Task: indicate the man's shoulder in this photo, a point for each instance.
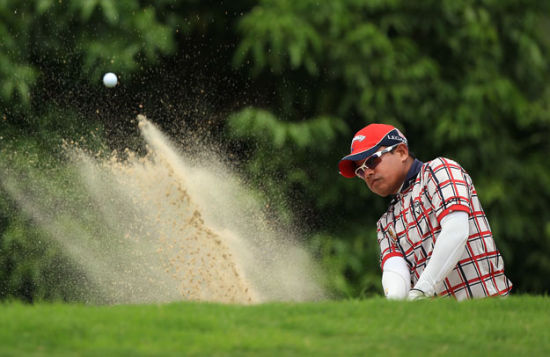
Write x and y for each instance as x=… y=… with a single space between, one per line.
x=439 y=163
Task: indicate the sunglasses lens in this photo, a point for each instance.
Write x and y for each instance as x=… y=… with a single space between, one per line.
x=372 y=162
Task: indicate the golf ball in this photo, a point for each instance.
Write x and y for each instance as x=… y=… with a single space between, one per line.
x=110 y=80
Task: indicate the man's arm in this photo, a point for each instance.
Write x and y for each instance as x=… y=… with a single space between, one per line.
x=448 y=249
x=396 y=278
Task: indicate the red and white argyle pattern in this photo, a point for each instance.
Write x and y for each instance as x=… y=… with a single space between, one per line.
x=411 y=226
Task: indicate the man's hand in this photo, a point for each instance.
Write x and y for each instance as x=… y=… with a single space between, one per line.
x=416 y=294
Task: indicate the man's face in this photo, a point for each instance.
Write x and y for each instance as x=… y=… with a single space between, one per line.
x=386 y=178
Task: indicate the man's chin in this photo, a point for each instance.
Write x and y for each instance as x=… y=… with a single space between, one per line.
x=380 y=193
x=377 y=192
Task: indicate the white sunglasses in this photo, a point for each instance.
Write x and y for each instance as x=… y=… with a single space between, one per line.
x=373 y=161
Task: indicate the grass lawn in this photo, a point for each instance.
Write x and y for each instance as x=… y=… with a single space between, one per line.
x=519 y=325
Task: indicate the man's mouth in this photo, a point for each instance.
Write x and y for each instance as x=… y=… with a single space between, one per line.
x=371 y=181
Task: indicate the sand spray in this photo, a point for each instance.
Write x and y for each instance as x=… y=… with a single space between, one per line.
x=165 y=226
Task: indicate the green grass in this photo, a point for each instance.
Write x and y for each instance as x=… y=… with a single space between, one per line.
x=518 y=325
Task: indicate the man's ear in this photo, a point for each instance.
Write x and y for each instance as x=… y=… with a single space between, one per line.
x=403 y=151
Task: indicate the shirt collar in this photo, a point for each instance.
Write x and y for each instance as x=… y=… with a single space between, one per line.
x=411 y=175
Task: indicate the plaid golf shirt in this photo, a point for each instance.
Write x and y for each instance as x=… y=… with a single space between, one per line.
x=411 y=226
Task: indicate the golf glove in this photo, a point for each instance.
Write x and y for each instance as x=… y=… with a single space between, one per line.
x=416 y=294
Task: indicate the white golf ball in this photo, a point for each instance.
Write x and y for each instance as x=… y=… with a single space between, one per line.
x=110 y=80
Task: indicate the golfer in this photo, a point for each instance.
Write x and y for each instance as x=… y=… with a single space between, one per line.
x=434 y=239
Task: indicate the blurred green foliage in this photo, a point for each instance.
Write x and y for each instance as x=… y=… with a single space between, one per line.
x=32 y=265
x=283 y=85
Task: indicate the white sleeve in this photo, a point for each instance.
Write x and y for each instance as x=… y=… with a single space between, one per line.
x=448 y=249
x=396 y=278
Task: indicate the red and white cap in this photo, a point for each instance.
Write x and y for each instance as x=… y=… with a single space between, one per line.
x=366 y=142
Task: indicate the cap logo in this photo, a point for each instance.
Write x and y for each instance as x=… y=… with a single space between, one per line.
x=357 y=138
x=399 y=137
x=395 y=137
